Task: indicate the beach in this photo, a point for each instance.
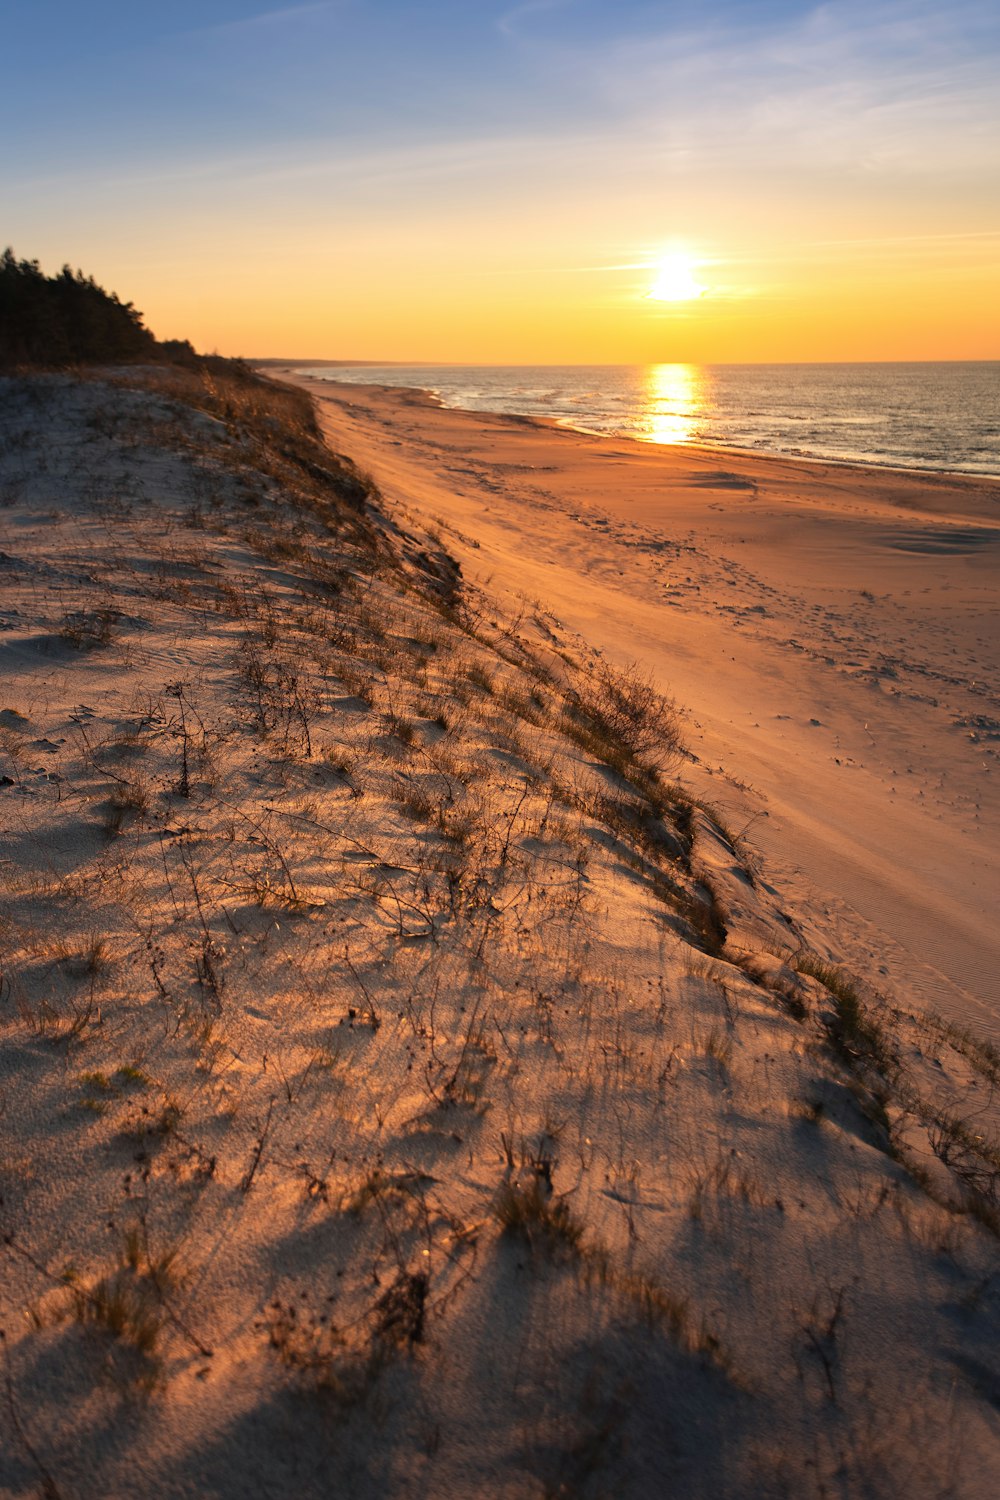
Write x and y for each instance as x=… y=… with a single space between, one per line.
x=926 y=416
x=829 y=630
x=500 y=751
x=435 y=1063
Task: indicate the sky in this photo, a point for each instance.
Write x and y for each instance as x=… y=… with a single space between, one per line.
x=469 y=181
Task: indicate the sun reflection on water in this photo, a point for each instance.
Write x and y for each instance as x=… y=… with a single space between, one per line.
x=674 y=400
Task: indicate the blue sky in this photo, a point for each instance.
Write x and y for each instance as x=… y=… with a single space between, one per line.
x=149 y=136
x=132 y=80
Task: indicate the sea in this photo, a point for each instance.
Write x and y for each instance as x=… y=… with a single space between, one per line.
x=915 y=416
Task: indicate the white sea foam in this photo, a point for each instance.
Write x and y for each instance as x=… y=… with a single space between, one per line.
x=928 y=416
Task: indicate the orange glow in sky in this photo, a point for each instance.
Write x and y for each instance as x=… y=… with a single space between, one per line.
x=515 y=183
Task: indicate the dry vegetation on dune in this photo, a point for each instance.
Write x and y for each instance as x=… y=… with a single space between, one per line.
x=405 y=1088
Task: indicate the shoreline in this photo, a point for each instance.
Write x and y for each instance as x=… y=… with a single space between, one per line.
x=819 y=623
x=705 y=445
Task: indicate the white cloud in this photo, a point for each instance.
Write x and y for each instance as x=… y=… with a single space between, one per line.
x=903 y=87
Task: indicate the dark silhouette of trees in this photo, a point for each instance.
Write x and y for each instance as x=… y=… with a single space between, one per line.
x=65 y=320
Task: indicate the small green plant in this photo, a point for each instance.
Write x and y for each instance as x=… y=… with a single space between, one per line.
x=130 y=1073
x=96 y=1082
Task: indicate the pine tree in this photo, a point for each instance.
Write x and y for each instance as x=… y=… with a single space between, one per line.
x=62 y=320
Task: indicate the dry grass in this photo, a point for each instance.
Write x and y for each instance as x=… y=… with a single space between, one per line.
x=363 y=906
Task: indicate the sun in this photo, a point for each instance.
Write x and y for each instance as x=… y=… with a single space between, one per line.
x=675 y=280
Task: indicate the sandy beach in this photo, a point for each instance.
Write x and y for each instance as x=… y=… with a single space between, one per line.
x=412 y=1084
x=500 y=751
x=831 y=632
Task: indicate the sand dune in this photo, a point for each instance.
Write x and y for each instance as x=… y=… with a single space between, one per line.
x=831 y=630
x=406 y=1088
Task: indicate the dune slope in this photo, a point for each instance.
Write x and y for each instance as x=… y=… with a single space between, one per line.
x=831 y=630
x=406 y=1088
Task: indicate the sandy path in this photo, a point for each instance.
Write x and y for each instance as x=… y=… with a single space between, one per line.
x=831 y=630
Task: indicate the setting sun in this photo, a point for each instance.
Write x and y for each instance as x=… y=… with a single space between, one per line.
x=500 y=749
x=675 y=281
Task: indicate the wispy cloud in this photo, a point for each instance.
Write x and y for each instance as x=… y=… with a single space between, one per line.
x=509 y=24
x=282 y=15
x=904 y=86
x=395 y=165
x=737 y=128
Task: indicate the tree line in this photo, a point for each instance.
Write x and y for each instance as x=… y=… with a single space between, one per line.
x=68 y=319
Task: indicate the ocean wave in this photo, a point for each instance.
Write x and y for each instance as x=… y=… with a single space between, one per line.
x=926 y=416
